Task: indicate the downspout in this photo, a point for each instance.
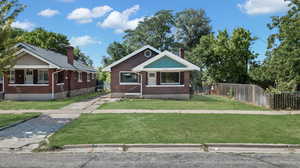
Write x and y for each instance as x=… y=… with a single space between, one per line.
x=141 y=85
x=53 y=82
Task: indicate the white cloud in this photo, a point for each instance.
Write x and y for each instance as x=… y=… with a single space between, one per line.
x=83 y=41
x=120 y=20
x=85 y=15
x=48 y=13
x=26 y=25
x=253 y=7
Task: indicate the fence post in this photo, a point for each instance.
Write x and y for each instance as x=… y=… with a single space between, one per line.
x=253 y=94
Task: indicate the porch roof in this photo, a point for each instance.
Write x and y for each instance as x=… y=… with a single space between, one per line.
x=166 y=61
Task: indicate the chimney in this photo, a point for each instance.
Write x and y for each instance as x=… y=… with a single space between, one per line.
x=181 y=52
x=70 y=55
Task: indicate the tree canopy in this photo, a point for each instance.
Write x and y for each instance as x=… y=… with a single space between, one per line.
x=9 y=10
x=224 y=57
x=164 y=31
x=282 y=65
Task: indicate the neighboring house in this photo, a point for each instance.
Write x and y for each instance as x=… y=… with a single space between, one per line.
x=41 y=74
x=149 y=73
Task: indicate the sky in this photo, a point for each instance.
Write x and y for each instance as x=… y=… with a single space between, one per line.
x=94 y=24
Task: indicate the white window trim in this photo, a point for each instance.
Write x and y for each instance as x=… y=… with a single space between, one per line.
x=10 y=74
x=43 y=81
x=164 y=85
x=88 y=77
x=128 y=83
x=147 y=51
x=79 y=75
x=28 y=84
x=168 y=84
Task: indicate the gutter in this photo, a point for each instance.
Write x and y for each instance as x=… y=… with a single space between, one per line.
x=53 y=82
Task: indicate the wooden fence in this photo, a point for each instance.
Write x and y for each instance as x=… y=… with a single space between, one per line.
x=256 y=95
x=289 y=101
x=243 y=92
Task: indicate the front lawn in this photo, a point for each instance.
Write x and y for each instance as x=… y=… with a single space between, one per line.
x=197 y=102
x=44 y=105
x=7 y=119
x=179 y=128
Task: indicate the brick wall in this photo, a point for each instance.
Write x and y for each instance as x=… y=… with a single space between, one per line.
x=127 y=65
x=74 y=84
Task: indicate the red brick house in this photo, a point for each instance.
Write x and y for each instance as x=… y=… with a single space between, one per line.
x=149 y=73
x=41 y=74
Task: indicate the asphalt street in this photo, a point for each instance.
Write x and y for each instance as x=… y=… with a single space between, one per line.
x=148 y=160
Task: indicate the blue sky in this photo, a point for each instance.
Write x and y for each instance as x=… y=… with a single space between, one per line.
x=94 y=24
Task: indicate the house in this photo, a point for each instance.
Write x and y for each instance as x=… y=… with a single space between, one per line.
x=41 y=74
x=150 y=73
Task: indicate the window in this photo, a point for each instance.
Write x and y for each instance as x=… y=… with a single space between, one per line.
x=12 y=76
x=43 y=76
x=61 y=77
x=147 y=53
x=170 y=78
x=79 y=77
x=89 y=77
x=1 y=77
x=129 y=78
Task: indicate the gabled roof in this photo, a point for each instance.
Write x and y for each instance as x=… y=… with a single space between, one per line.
x=55 y=59
x=188 y=66
x=108 y=68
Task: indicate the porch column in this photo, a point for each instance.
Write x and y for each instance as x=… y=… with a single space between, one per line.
x=50 y=72
x=143 y=82
x=187 y=81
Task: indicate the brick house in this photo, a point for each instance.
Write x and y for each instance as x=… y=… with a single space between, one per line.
x=149 y=73
x=41 y=74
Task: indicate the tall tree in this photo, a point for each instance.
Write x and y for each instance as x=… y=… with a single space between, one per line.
x=116 y=51
x=80 y=56
x=282 y=66
x=191 y=25
x=225 y=57
x=48 y=40
x=9 y=10
x=155 y=31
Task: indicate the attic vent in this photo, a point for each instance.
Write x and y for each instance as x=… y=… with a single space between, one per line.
x=148 y=53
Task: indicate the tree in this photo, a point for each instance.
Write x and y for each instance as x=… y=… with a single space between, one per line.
x=116 y=51
x=282 y=66
x=191 y=25
x=225 y=58
x=49 y=40
x=9 y=10
x=80 y=56
x=154 y=31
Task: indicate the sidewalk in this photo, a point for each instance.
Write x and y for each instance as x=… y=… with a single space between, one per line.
x=92 y=110
x=201 y=112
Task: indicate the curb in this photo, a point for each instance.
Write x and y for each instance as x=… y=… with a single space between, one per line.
x=209 y=147
x=252 y=145
x=17 y=123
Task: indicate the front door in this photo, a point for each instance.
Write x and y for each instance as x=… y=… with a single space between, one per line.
x=151 y=78
x=28 y=76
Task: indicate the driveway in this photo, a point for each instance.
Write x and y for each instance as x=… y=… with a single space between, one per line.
x=30 y=132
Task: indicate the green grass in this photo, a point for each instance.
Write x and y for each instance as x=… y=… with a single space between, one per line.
x=196 y=103
x=7 y=119
x=179 y=128
x=43 y=105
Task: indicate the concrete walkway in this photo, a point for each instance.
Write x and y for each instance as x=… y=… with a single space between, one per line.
x=76 y=112
x=201 y=112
